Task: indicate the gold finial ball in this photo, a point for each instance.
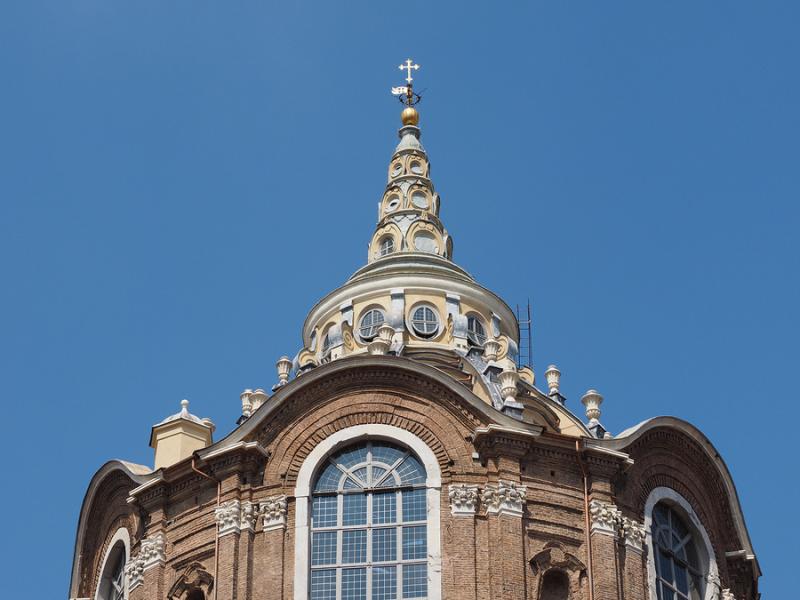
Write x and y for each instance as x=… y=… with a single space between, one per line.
x=410 y=116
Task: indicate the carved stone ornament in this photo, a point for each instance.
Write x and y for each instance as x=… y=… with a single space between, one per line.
x=633 y=533
x=152 y=553
x=555 y=556
x=463 y=499
x=134 y=573
x=228 y=517
x=727 y=595
x=194 y=577
x=248 y=516
x=505 y=498
x=605 y=517
x=273 y=512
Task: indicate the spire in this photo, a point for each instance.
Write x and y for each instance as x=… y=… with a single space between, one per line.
x=408 y=213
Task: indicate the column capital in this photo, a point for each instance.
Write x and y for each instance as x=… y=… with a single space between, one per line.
x=273 y=512
x=152 y=553
x=463 y=499
x=605 y=518
x=504 y=498
x=633 y=533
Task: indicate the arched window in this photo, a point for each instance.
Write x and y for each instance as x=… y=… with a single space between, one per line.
x=369 y=525
x=386 y=246
x=372 y=319
x=476 y=332
x=679 y=569
x=555 y=586
x=112 y=581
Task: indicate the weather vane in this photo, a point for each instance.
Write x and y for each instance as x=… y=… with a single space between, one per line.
x=406 y=92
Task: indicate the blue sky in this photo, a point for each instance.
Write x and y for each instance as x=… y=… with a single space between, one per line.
x=181 y=181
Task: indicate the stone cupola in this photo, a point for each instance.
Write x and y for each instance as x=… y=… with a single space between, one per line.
x=178 y=436
x=408 y=213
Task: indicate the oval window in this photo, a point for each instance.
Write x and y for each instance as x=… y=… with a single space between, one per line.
x=425 y=242
x=392 y=203
x=416 y=168
x=397 y=168
x=419 y=199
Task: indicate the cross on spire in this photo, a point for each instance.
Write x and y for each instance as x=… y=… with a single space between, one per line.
x=408 y=66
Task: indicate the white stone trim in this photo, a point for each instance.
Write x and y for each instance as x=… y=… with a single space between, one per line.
x=235 y=516
x=605 y=518
x=633 y=533
x=120 y=535
x=463 y=499
x=504 y=498
x=712 y=587
x=303 y=488
x=273 y=512
x=152 y=553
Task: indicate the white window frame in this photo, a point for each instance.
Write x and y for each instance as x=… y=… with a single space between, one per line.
x=415 y=331
x=376 y=327
x=473 y=336
x=384 y=240
x=120 y=535
x=702 y=541
x=302 y=494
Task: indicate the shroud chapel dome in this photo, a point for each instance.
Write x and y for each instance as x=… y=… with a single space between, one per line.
x=404 y=453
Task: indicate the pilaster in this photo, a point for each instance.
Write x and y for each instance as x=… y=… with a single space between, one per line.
x=505 y=504
x=269 y=549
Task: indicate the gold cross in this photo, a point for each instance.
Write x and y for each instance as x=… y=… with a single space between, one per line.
x=407 y=67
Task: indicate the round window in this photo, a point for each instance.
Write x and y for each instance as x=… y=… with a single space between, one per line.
x=392 y=203
x=372 y=319
x=425 y=242
x=419 y=199
x=416 y=168
x=425 y=321
x=476 y=332
x=397 y=168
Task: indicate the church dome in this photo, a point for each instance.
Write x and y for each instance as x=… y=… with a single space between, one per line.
x=411 y=298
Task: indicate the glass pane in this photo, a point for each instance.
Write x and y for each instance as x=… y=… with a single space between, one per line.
x=354 y=546
x=354 y=584
x=352 y=456
x=323 y=511
x=386 y=453
x=681 y=579
x=415 y=581
x=384 y=544
x=377 y=473
x=354 y=509
x=390 y=481
x=384 y=583
x=384 y=508
x=665 y=566
x=414 y=543
x=323 y=584
x=361 y=476
x=411 y=471
x=350 y=484
x=328 y=480
x=660 y=514
x=323 y=548
x=414 y=505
